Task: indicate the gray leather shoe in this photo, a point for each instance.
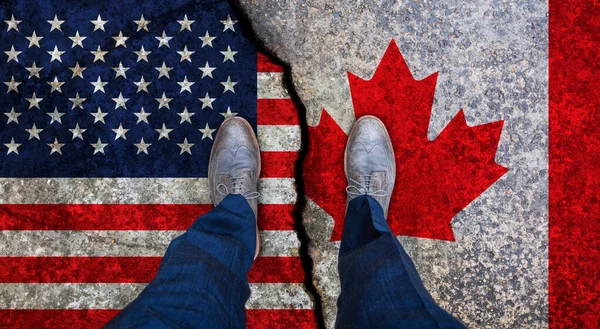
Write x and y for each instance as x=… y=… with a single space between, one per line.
x=234 y=165
x=369 y=162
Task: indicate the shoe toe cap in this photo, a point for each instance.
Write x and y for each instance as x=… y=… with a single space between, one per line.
x=370 y=129
x=235 y=132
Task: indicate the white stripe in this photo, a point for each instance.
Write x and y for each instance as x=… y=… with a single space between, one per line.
x=270 y=85
x=120 y=243
x=277 y=296
x=129 y=191
x=117 y=295
x=279 y=138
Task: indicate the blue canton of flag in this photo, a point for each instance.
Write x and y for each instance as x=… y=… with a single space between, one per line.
x=119 y=88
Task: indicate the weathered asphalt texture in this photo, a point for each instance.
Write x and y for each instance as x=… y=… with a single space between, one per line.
x=492 y=59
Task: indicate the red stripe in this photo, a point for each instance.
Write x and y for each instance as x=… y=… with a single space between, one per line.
x=280 y=319
x=276 y=217
x=90 y=319
x=278 y=164
x=574 y=164
x=51 y=319
x=78 y=269
x=99 y=216
x=125 y=217
x=280 y=111
x=276 y=270
x=127 y=270
x=264 y=64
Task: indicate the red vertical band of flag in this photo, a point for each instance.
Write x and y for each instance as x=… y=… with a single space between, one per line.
x=574 y=164
x=90 y=319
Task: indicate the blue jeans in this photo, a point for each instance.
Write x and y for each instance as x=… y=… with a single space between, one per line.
x=380 y=285
x=202 y=280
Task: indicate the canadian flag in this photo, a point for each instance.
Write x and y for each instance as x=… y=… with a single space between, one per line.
x=494 y=113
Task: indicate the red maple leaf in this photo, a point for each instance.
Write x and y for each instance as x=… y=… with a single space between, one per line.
x=435 y=180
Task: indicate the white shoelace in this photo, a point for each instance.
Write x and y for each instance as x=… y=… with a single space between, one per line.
x=354 y=191
x=236 y=186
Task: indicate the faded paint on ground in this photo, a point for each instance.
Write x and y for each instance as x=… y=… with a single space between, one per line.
x=491 y=58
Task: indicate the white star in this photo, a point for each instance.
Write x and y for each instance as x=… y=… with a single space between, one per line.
x=142 y=85
x=142 y=146
x=163 y=101
x=13 y=147
x=163 y=40
x=34 y=101
x=34 y=132
x=207 y=40
x=99 y=24
x=228 y=114
x=34 y=71
x=12 y=24
x=98 y=85
x=55 y=54
x=12 y=116
x=34 y=40
x=99 y=146
x=185 y=147
x=120 y=132
x=77 y=40
x=12 y=85
x=228 y=85
x=228 y=24
x=120 y=102
x=142 y=23
x=120 y=71
x=55 y=147
x=77 y=101
x=185 y=116
x=228 y=55
x=163 y=132
x=99 y=54
x=206 y=132
x=206 y=101
x=99 y=116
x=142 y=116
x=55 y=24
x=12 y=54
x=207 y=70
x=163 y=71
x=77 y=70
x=185 y=85
x=186 y=24
x=120 y=40
x=142 y=54
x=56 y=85
x=186 y=54
x=77 y=132
x=55 y=116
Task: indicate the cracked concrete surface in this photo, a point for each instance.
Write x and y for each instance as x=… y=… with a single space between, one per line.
x=491 y=57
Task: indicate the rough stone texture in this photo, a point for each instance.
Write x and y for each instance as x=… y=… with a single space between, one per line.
x=492 y=58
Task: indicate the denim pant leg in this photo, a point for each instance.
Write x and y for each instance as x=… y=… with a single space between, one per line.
x=380 y=285
x=202 y=280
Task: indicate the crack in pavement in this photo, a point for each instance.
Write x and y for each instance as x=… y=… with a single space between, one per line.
x=299 y=228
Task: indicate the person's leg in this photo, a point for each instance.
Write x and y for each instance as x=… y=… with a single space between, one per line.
x=380 y=287
x=202 y=280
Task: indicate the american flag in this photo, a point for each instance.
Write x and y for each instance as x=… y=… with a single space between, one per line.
x=110 y=110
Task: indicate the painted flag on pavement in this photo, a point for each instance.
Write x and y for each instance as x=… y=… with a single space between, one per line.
x=109 y=114
x=493 y=108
